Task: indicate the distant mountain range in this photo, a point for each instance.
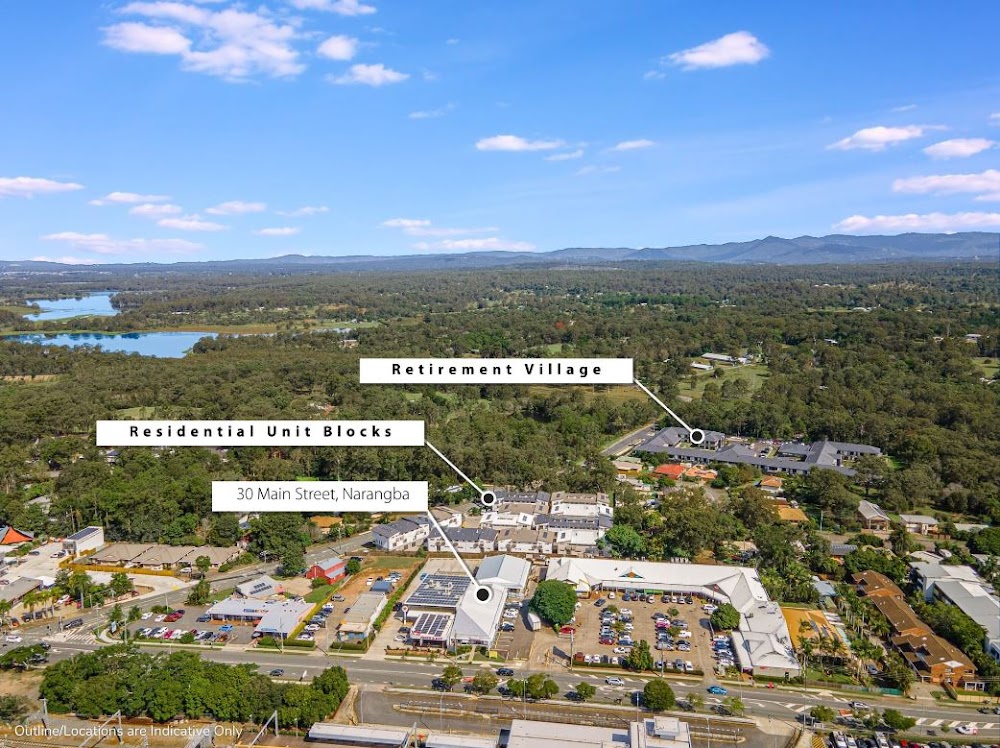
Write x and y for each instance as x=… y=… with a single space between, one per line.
x=803 y=250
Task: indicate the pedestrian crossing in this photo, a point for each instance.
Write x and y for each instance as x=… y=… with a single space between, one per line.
x=928 y=722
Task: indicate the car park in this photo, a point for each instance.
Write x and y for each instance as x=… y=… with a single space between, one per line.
x=307 y=637
x=967 y=730
x=507 y=626
x=160 y=618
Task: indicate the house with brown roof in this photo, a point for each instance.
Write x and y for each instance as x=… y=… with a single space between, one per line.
x=901 y=617
x=873 y=584
x=936 y=660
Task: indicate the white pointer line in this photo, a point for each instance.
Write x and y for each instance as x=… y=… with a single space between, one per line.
x=454 y=467
x=447 y=542
x=659 y=402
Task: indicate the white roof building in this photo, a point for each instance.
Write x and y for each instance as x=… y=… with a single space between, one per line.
x=476 y=622
x=979 y=603
x=651 y=732
x=932 y=574
x=509 y=572
x=767 y=644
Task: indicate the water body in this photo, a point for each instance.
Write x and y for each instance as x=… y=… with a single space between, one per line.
x=158 y=344
x=91 y=305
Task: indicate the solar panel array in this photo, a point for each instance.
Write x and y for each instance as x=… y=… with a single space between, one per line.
x=431 y=627
x=439 y=591
x=259 y=587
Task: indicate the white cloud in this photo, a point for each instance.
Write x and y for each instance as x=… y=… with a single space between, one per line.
x=103 y=244
x=423 y=227
x=491 y=243
x=236 y=207
x=231 y=43
x=128 y=198
x=278 y=231
x=31 y=186
x=877 y=138
x=369 y=75
x=995 y=118
x=738 y=48
x=585 y=170
x=65 y=260
x=341 y=7
x=567 y=156
x=633 y=145
x=305 y=210
x=904 y=108
x=153 y=210
x=338 y=48
x=145 y=39
x=918 y=222
x=405 y=223
x=432 y=113
x=190 y=223
x=985 y=185
x=654 y=75
x=959 y=147
x=516 y=143
x=453 y=41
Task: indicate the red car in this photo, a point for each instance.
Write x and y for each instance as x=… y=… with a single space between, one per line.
x=172 y=618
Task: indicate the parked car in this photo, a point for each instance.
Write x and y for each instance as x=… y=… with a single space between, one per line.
x=14 y=638
x=967 y=730
x=717 y=691
x=505 y=672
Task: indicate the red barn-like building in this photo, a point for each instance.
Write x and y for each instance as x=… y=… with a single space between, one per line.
x=331 y=569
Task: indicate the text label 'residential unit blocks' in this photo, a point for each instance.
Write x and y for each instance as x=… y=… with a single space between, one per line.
x=496 y=371
x=196 y=433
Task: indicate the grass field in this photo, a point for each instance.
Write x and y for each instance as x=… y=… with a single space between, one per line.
x=615 y=393
x=988 y=366
x=753 y=374
x=22 y=310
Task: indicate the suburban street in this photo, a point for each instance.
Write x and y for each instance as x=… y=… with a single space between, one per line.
x=629 y=440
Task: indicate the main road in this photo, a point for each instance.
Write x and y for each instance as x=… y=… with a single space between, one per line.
x=779 y=703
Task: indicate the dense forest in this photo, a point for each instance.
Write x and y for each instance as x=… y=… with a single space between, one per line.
x=876 y=354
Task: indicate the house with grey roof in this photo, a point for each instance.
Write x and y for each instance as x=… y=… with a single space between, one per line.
x=873 y=517
x=920 y=524
x=464 y=540
x=406 y=534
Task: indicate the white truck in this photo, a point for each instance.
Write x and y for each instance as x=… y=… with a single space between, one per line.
x=534 y=621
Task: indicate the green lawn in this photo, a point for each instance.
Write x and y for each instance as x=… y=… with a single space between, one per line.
x=320 y=594
x=753 y=374
x=988 y=366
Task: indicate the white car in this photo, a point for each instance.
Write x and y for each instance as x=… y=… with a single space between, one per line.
x=306 y=637
x=14 y=638
x=611 y=596
x=967 y=730
x=509 y=614
x=614 y=681
x=629 y=627
x=588 y=659
x=684 y=634
x=160 y=618
x=709 y=608
x=620 y=650
x=146 y=616
x=312 y=627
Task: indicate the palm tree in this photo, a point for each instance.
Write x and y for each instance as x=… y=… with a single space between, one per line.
x=5 y=608
x=30 y=600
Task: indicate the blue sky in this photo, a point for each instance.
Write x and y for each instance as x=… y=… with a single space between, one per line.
x=210 y=129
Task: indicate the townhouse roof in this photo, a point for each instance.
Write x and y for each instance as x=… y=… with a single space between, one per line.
x=902 y=618
x=397 y=527
x=874 y=584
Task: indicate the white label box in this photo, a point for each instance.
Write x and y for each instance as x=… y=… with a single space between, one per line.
x=197 y=433
x=496 y=371
x=319 y=496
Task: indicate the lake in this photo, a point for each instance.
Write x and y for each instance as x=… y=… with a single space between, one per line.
x=159 y=344
x=91 y=305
